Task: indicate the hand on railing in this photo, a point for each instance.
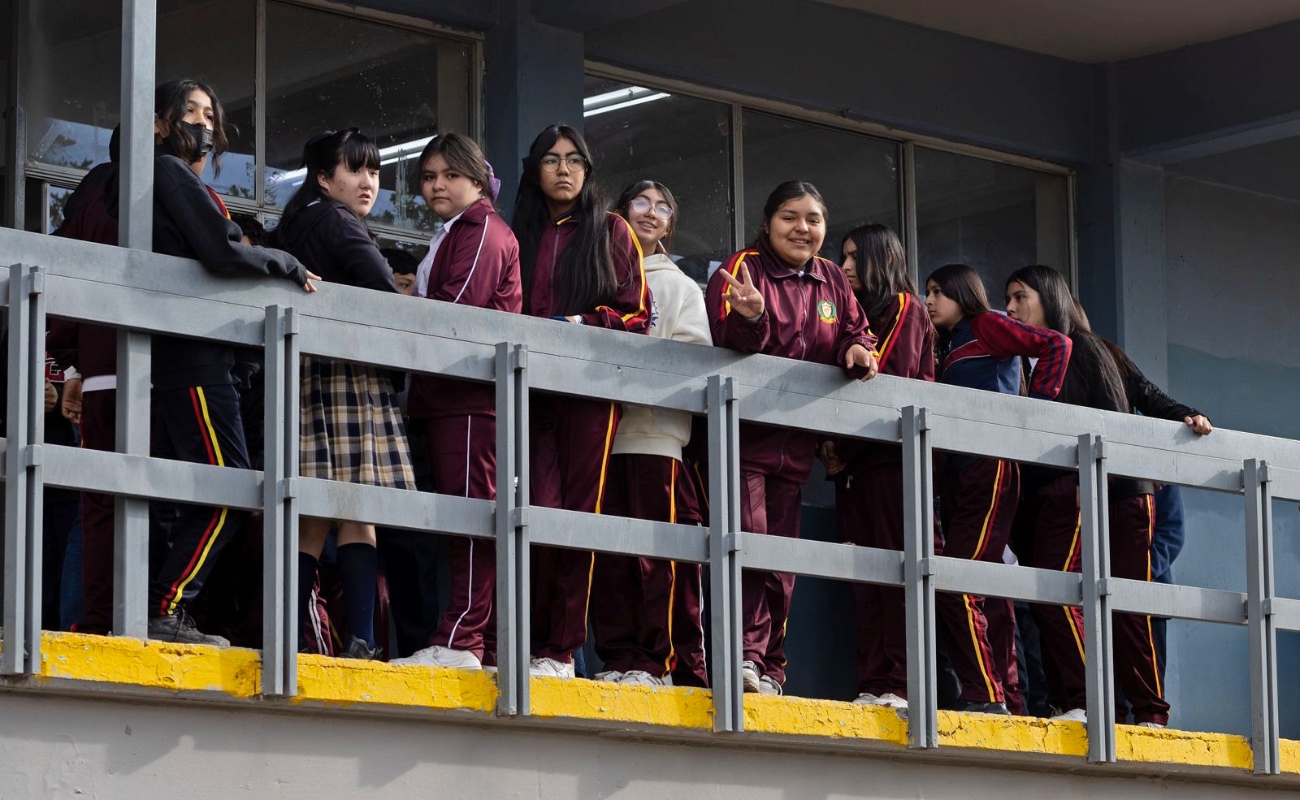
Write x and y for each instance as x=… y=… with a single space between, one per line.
x=745 y=299
x=1200 y=424
x=308 y=286
x=71 y=406
x=859 y=356
x=51 y=396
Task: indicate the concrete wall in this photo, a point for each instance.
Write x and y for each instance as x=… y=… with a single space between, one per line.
x=56 y=747
x=1230 y=262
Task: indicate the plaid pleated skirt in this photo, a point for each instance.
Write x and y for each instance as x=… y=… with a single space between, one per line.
x=351 y=426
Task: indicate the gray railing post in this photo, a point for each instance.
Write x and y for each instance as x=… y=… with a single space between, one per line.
x=918 y=587
x=724 y=553
x=512 y=601
x=1260 y=620
x=279 y=506
x=1098 y=639
x=25 y=427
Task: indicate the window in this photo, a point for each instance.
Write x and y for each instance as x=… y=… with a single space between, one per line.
x=682 y=142
x=994 y=217
x=856 y=175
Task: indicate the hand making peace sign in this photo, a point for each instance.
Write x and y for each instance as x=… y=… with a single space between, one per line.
x=743 y=296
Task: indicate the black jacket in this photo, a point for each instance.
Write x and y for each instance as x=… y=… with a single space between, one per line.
x=334 y=244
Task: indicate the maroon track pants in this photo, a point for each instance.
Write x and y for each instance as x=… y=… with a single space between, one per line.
x=770 y=505
x=633 y=621
x=98 y=432
x=977 y=506
x=1056 y=546
x=462 y=459
x=569 y=444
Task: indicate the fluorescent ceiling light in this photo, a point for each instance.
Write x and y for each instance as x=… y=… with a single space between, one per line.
x=622 y=98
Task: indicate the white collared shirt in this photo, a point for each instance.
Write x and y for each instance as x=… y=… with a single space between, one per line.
x=426 y=266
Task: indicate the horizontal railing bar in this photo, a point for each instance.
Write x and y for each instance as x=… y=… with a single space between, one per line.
x=623 y=535
x=1006 y=580
x=1286 y=612
x=396 y=508
x=1180 y=602
x=151 y=478
x=814 y=559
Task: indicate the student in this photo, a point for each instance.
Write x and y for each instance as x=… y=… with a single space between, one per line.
x=1038 y=295
x=633 y=622
x=473 y=260
x=978 y=496
x=814 y=317
x=351 y=426
x=869 y=477
x=580 y=265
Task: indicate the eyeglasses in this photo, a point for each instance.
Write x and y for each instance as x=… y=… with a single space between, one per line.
x=640 y=205
x=574 y=163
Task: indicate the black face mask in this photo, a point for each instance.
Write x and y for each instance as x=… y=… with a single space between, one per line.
x=202 y=137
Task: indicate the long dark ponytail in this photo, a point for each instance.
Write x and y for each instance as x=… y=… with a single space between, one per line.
x=585 y=275
x=1092 y=377
x=882 y=269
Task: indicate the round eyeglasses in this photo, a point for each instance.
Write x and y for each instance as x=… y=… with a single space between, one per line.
x=640 y=205
x=574 y=163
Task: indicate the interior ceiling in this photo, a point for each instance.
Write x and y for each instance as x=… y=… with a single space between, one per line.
x=1090 y=31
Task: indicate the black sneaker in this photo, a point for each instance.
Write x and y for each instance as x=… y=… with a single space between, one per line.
x=180 y=628
x=358 y=649
x=974 y=707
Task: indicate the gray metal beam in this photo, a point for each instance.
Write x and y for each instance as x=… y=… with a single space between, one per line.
x=1262 y=630
x=514 y=647
x=918 y=589
x=724 y=557
x=279 y=512
x=1098 y=639
x=15 y=118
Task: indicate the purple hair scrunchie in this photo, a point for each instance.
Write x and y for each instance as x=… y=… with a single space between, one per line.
x=494 y=183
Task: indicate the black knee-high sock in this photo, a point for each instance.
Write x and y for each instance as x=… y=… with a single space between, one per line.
x=306 y=581
x=358 y=565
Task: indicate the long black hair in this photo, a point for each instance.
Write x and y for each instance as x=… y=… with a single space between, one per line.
x=962 y=285
x=1092 y=378
x=321 y=156
x=881 y=268
x=665 y=243
x=171 y=103
x=585 y=274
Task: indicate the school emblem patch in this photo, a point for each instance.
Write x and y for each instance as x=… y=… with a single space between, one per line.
x=827 y=312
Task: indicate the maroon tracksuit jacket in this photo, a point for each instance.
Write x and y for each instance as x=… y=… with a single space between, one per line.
x=869 y=503
x=811 y=315
x=571 y=438
x=477 y=264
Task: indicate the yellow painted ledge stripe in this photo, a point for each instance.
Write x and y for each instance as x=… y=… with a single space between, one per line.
x=236 y=673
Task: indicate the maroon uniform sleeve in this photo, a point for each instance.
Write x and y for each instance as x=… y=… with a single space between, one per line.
x=480 y=270
x=728 y=329
x=61 y=341
x=907 y=341
x=854 y=328
x=1006 y=337
x=630 y=310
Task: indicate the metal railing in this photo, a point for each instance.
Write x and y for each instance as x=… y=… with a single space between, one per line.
x=142 y=293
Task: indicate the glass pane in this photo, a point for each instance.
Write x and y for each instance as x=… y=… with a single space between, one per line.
x=994 y=217
x=327 y=72
x=684 y=143
x=857 y=175
x=56 y=201
x=74 y=81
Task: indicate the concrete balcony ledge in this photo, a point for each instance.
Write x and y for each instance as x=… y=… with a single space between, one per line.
x=77 y=667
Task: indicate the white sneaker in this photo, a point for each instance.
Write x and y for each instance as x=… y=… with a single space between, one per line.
x=549 y=668
x=891 y=700
x=639 y=677
x=1155 y=725
x=749 y=676
x=768 y=685
x=1073 y=715
x=610 y=675
x=438 y=656
x=867 y=699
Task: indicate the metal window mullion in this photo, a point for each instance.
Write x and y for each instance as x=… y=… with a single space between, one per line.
x=1261 y=622
x=25 y=428
x=16 y=119
x=139 y=39
x=259 y=104
x=1099 y=666
x=512 y=593
x=724 y=553
x=918 y=586
x=279 y=513
x=737 y=176
x=907 y=208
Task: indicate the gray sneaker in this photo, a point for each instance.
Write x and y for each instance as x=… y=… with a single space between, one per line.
x=180 y=628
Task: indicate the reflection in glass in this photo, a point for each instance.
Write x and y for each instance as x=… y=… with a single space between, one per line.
x=857 y=175
x=994 y=217
x=326 y=72
x=56 y=201
x=684 y=143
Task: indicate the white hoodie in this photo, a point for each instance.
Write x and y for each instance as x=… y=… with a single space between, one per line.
x=680 y=316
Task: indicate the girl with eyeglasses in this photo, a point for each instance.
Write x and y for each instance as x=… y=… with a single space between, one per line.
x=980 y=349
x=636 y=621
x=351 y=425
x=473 y=260
x=780 y=298
x=869 y=476
x=580 y=265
